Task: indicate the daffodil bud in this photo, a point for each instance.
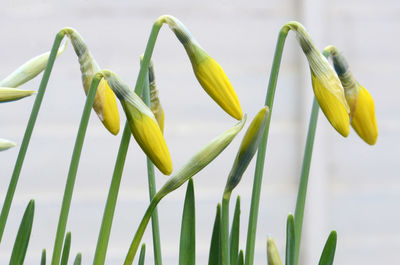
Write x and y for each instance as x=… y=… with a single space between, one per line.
x=201 y=159
x=273 y=254
x=29 y=70
x=362 y=107
x=209 y=73
x=6 y=144
x=247 y=149
x=11 y=94
x=142 y=123
x=105 y=103
x=155 y=104
x=327 y=87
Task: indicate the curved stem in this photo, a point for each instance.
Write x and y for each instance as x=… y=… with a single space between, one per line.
x=255 y=198
x=28 y=133
x=225 y=229
x=73 y=168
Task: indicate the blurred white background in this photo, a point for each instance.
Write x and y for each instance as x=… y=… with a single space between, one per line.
x=354 y=188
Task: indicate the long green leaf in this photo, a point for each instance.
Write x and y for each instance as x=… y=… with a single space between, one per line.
x=142 y=254
x=43 y=258
x=187 y=247
x=328 y=254
x=23 y=236
x=215 y=257
x=290 y=241
x=234 y=238
x=78 y=259
x=66 y=249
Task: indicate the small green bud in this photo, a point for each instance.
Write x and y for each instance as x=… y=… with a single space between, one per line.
x=6 y=144
x=273 y=254
x=11 y=94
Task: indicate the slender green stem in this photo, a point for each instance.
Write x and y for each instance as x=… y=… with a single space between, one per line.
x=105 y=230
x=225 y=229
x=28 y=133
x=255 y=199
x=152 y=187
x=73 y=168
x=305 y=170
x=106 y=224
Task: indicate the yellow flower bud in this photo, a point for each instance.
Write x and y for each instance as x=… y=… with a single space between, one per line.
x=142 y=123
x=362 y=108
x=273 y=254
x=11 y=94
x=247 y=149
x=327 y=87
x=209 y=73
x=6 y=144
x=29 y=70
x=105 y=103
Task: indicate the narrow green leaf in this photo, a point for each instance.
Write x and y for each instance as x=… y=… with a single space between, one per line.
x=234 y=238
x=290 y=241
x=240 y=259
x=43 y=259
x=78 y=259
x=328 y=254
x=142 y=254
x=66 y=249
x=187 y=247
x=215 y=257
x=23 y=235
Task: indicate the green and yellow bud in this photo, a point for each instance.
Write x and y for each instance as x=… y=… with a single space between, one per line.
x=201 y=159
x=208 y=72
x=272 y=252
x=247 y=149
x=362 y=107
x=105 y=103
x=155 y=104
x=6 y=144
x=327 y=87
x=29 y=70
x=142 y=123
x=11 y=94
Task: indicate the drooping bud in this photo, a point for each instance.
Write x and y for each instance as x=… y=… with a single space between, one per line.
x=11 y=94
x=6 y=144
x=247 y=149
x=327 y=87
x=142 y=123
x=29 y=70
x=362 y=107
x=105 y=103
x=209 y=73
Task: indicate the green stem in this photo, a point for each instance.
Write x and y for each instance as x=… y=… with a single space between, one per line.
x=105 y=229
x=28 y=133
x=73 y=168
x=106 y=224
x=305 y=170
x=225 y=229
x=140 y=231
x=152 y=187
x=255 y=198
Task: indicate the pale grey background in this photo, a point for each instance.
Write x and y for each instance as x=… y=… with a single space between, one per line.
x=354 y=188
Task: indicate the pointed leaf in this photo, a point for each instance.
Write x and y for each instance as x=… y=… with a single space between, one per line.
x=290 y=241
x=78 y=259
x=234 y=239
x=240 y=259
x=328 y=254
x=23 y=235
x=43 y=258
x=66 y=249
x=142 y=254
x=215 y=257
x=187 y=248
